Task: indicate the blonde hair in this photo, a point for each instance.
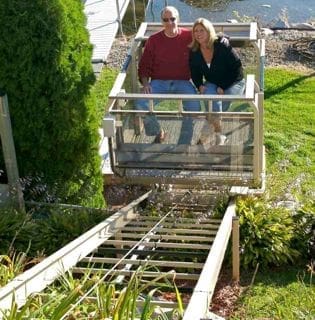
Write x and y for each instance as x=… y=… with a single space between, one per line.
x=170 y=9
x=208 y=26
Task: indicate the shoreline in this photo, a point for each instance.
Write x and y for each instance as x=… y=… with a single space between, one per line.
x=283 y=48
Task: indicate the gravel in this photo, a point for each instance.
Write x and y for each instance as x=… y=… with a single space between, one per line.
x=280 y=50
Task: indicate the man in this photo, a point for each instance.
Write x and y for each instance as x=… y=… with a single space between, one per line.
x=164 y=68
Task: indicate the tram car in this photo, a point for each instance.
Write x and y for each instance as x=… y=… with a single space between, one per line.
x=238 y=161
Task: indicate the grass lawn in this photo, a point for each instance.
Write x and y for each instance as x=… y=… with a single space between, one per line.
x=290 y=134
x=103 y=87
x=286 y=293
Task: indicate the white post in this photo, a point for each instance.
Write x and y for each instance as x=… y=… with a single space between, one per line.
x=119 y=17
x=9 y=153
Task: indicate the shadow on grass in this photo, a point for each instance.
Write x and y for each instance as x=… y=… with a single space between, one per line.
x=270 y=93
x=279 y=276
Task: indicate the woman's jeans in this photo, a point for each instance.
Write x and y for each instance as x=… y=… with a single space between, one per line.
x=218 y=106
x=151 y=125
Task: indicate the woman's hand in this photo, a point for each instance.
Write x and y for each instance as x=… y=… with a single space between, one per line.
x=220 y=90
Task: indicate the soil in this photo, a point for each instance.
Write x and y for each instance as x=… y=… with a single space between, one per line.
x=293 y=49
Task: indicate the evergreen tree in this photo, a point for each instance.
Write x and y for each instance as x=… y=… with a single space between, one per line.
x=46 y=71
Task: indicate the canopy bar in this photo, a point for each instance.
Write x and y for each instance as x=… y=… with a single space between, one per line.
x=240 y=31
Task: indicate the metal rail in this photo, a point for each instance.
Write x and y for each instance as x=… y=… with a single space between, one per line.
x=170 y=246
x=40 y=276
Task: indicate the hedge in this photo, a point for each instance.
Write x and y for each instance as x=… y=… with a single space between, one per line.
x=46 y=71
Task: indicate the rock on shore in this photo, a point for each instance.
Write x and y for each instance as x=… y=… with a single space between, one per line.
x=292 y=48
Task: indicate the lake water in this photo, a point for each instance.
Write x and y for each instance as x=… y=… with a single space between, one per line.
x=267 y=12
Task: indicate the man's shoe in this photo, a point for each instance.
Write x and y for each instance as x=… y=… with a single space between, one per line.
x=160 y=137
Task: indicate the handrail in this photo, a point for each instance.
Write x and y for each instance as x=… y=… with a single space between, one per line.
x=239 y=114
x=201 y=298
x=117 y=93
x=150 y=96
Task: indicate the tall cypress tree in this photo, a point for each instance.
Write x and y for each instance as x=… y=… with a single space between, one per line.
x=46 y=71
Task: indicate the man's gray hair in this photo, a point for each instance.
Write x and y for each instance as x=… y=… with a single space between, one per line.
x=171 y=9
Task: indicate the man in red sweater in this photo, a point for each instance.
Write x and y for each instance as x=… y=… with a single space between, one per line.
x=164 y=68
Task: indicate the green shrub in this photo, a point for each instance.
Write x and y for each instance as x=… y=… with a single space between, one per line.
x=46 y=71
x=304 y=236
x=12 y=226
x=44 y=231
x=266 y=233
x=60 y=227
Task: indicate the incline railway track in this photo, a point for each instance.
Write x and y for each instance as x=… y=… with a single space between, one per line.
x=184 y=246
x=185 y=243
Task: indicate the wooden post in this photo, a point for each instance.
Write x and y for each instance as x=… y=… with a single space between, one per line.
x=9 y=153
x=235 y=249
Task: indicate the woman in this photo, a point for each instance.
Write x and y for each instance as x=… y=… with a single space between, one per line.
x=216 y=62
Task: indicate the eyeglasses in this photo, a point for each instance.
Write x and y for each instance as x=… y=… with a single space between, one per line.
x=169 y=19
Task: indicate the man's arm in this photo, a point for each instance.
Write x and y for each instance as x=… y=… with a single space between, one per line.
x=145 y=66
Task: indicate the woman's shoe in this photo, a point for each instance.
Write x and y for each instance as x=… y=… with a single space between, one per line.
x=160 y=137
x=221 y=139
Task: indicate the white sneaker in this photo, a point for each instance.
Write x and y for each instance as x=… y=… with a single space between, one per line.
x=220 y=139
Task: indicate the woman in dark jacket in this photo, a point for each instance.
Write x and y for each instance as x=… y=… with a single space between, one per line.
x=215 y=66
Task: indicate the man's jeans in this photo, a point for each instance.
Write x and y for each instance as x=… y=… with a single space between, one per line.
x=151 y=125
x=237 y=88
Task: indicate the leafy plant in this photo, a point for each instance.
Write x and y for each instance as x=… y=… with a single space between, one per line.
x=266 y=233
x=304 y=236
x=16 y=313
x=11 y=266
x=44 y=230
x=12 y=230
x=60 y=226
x=105 y=302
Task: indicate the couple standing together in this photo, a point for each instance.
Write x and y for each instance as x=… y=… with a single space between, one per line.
x=174 y=56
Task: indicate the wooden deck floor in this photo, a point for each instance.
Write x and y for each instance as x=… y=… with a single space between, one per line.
x=181 y=150
x=238 y=131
